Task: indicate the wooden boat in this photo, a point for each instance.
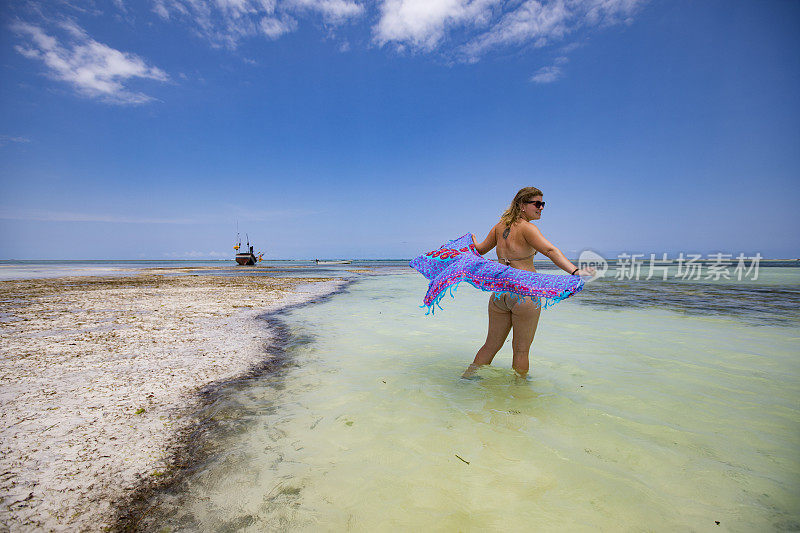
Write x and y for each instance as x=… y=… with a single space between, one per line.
x=247 y=258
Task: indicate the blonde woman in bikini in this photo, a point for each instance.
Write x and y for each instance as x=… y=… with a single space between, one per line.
x=517 y=241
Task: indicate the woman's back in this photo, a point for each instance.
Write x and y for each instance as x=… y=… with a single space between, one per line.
x=513 y=248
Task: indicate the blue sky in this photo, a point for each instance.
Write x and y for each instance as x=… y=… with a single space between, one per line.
x=346 y=128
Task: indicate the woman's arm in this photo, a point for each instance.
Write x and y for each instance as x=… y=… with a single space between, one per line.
x=546 y=248
x=488 y=243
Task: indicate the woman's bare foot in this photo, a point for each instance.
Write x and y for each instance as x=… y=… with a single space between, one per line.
x=470 y=371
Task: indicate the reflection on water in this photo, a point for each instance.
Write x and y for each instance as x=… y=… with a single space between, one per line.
x=634 y=418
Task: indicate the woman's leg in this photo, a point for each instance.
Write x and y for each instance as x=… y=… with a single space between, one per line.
x=499 y=326
x=524 y=319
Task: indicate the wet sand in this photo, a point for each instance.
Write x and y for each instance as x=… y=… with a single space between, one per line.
x=98 y=375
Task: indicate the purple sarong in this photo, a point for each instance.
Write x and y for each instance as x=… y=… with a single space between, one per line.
x=458 y=261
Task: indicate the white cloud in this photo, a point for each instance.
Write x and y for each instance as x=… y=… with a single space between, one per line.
x=464 y=30
x=6 y=139
x=227 y=22
x=334 y=11
x=422 y=24
x=274 y=28
x=468 y=29
x=530 y=22
x=542 y=23
x=460 y=30
x=94 y=69
x=161 y=9
x=608 y=12
x=241 y=8
x=550 y=73
x=547 y=74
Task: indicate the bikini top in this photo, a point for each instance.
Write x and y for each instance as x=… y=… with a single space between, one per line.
x=508 y=261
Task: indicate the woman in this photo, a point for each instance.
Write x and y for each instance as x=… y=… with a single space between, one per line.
x=517 y=242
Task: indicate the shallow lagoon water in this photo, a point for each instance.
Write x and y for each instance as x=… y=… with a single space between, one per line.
x=34 y=269
x=637 y=418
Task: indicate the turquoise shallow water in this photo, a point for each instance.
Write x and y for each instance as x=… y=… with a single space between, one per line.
x=638 y=416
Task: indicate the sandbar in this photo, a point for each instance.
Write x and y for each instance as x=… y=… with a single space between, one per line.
x=98 y=374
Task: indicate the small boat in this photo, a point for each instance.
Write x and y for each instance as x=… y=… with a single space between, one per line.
x=247 y=258
x=343 y=262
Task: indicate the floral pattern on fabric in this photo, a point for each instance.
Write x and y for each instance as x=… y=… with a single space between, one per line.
x=458 y=260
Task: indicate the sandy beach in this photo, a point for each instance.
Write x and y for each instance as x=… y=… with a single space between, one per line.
x=98 y=374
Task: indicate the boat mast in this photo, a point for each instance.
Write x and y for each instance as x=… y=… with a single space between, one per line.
x=238 y=237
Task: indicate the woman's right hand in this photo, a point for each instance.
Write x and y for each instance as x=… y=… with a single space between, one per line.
x=591 y=271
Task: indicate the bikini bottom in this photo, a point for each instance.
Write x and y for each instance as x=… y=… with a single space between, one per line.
x=504 y=301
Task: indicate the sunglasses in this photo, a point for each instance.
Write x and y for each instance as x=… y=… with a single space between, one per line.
x=536 y=203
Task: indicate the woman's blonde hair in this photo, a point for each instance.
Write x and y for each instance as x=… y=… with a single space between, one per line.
x=514 y=211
